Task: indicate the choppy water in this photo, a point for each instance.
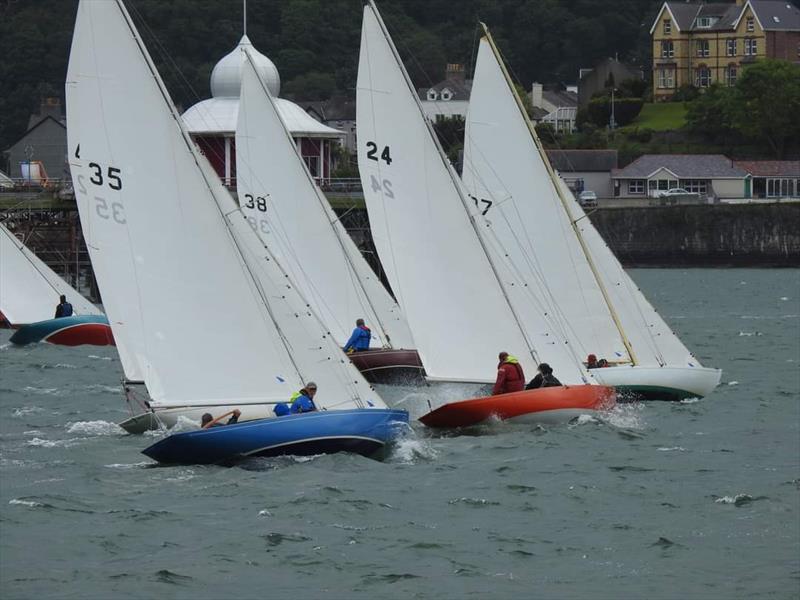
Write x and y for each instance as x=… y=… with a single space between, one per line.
x=699 y=499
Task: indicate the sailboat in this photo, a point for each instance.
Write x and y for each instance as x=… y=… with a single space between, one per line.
x=29 y=293
x=462 y=306
x=294 y=219
x=536 y=228
x=205 y=318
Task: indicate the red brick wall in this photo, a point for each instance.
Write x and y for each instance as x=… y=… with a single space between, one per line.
x=784 y=45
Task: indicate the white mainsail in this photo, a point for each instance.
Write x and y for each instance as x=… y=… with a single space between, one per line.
x=29 y=289
x=591 y=299
x=216 y=320
x=459 y=305
x=291 y=215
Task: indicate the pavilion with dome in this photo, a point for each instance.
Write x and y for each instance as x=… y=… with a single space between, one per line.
x=212 y=122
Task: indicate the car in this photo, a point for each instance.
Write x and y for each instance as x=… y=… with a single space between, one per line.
x=587 y=198
x=673 y=192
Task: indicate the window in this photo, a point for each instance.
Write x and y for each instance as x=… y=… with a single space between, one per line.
x=730 y=47
x=636 y=186
x=730 y=75
x=667 y=27
x=666 y=78
x=447 y=95
x=432 y=95
x=702 y=77
x=781 y=188
x=667 y=49
x=695 y=186
x=702 y=48
x=751 y=47
x=705 y=22
x=751 y=24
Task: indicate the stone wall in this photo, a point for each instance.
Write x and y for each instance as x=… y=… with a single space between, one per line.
x=765 y=235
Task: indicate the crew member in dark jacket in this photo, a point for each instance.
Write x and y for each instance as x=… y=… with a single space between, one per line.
x=209 y=421
x=359 y=339
x=510 y=377
x=64 y=308
x=544 y=378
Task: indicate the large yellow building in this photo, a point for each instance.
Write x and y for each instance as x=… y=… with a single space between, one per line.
x=699 y=44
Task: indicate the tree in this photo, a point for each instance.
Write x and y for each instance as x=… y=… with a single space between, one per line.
x=766 y=103
x=710 y=114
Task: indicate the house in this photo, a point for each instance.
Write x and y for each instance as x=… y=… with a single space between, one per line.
x=449 y=97
x=771 y=178
x=339 y=113
x=712 y=176
x=561 y=107
x=585 y=169
x=44 y=142
x=699 y=43
x=610 y=70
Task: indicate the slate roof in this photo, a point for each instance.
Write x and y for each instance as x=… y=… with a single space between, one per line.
x=583 y=160
x=686 y=13
x=338 y=108
x=770 y=168
x=767 y=11
x=561 y=98
x=683 y=166
x=460 y=89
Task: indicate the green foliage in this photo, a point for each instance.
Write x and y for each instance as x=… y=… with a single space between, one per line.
x=685 y=93
x=450 y=131
x=547 y=134
x=762 y=107
x=187 y=37
x=625 y=110
x=310 y=86
x=633 y=88
x=661 y=116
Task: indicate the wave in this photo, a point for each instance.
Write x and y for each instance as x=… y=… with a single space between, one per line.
x=42 y=391
x=28 y=503
x=409 y=449
x=95 y=428
x=738 y=499
x=26 y=410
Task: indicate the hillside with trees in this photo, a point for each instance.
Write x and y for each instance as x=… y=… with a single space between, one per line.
x=314 y=43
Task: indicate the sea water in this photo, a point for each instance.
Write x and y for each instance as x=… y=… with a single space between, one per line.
x=698 y=499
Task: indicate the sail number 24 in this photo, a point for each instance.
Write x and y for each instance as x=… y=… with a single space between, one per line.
x=384 y=186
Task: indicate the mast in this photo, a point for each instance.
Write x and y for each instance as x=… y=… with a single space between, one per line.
x=191 y=147
x=322 y=202
x=454 y=178
x=564 y=203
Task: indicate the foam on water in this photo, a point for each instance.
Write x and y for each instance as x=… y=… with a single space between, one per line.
x=625 y=416
x=26 y=410
x=410 y=449
x=95 y=428
x=28 y=503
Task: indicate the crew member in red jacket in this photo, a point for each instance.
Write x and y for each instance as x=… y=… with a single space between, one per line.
x=510 y=377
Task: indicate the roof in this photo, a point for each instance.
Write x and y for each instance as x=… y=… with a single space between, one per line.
x=583 y=160
x=560 y=98
x=775 y=15
x=36 y=125
x=460 y=89
x=338 y=108
x=219 y=115
x=770 y=168
x=537 y=114
x=772 y=15
x=682 y=166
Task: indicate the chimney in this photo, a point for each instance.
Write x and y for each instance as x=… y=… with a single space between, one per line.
x=49 y=107
x=455 y=72
x=536 y=94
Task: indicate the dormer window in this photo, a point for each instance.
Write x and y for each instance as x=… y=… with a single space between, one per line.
x=751 y=24
x=667 y=26
x=705 y=22
x=447 y=95
x=432 y=95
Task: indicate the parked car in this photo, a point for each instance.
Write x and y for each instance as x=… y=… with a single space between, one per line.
x=674 y=192
x=587 y=198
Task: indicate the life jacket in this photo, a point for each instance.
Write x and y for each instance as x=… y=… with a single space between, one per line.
x=281 y=409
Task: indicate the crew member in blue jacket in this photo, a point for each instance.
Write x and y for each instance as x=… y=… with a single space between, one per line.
x=359 y=339
x=64 y=308
x=303 y=400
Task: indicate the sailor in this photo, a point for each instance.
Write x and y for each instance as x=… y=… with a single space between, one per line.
x=303 y=400
x=544 y=378
x=208 y=421
x=510 y=377
x=359 y=339
x=64 y=308
x=591 y=361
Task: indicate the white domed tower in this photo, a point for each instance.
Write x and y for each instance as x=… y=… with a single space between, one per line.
x=212 y=122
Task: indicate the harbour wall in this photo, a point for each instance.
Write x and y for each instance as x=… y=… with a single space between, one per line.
x=713 y=235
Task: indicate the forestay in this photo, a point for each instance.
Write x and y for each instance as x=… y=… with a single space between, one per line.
x=441 y=275
x=289 y=212
x=217 y=321
x=29 y=289
x=524 y=221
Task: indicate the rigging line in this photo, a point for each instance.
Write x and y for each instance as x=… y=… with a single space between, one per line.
x=454 y=179
x=324 y=206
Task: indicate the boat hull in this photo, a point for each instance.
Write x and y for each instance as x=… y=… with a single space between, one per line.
x=92 y=330
x=361 y=431
x=388 y=365
x=659 y=383
x=543 y=405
